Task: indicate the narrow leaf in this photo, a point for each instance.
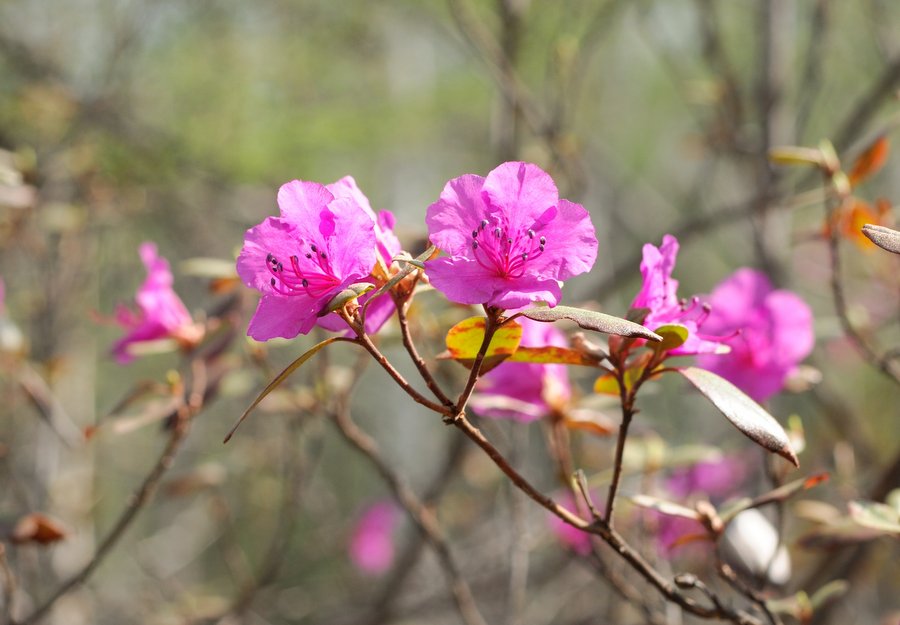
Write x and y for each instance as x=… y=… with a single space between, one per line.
x=876 y=516
x=281 y=377
x=591 y=320
x=410 y=266
x=870 y=161
x=550 y=354
x=885 y=238
x=351 y=292
x=781 y=493
x=744 y=413
x=668 y=508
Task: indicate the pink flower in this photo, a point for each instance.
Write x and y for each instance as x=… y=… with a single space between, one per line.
x=321 y=244
x=525 y=391
x=372 y=542
x=511 y=241
x=572 y=537
x=161 y=313
x=658 y=294
x=771 y=333
x=387 y=245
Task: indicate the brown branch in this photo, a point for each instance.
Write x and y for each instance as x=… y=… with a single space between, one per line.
x=608 y=534
x=421 y=366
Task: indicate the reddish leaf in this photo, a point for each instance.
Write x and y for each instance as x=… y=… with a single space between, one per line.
x=37 y=528
x=744 y=413
x=870 y=161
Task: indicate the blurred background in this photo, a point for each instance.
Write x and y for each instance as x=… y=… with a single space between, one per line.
x=123 y=121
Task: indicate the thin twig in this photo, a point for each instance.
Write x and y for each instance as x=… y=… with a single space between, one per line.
x=421 y=366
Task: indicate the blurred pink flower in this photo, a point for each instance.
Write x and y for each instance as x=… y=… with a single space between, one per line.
x=372 y=542
x=716 y=480
x=299 y=261
x=771 y=333
x=571 y=537
x=510 y=240
x=387 y=245
x=160 y=314
x=658 y=294
x=525 y=391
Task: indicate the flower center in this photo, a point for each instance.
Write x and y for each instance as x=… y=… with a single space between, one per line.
x=506 y=251
x=310 y=274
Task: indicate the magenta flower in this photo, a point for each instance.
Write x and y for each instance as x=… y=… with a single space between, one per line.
x=572 y=537
x=161 y=313
x=320 y=245
x=525 y=391
x=510 y=240
x=658 y=294
x=387 y=245
x=372 y=541
x=771 y=332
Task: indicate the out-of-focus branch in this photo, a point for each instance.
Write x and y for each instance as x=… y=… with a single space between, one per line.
x=383 y=607
x=179 y=428
x=424 y=519
x=8 y=581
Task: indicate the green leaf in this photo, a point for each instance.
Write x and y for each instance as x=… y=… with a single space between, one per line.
x=591 y=320
x=744 y=413
x=281 y=377
x=673 y=336
x=351 y=292
x=411 y=265
x=875 y=515
x=465 y=338
x=885 y=238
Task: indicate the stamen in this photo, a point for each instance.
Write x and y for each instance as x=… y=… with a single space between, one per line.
x=530 y=233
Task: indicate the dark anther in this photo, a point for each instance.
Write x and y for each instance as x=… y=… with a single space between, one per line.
x=279 y=267
x=474 y=234
x=543 y=241
x=308 y=255
x=530 y=233
x=474 y=245
x=323 y=255
x=273 y=281
x=304 y=282
x=707 y=307
x=484 y=222
x=497 y=232
x=509 y=241
x=525 y=256
x=269 y=257
x=313 y=248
